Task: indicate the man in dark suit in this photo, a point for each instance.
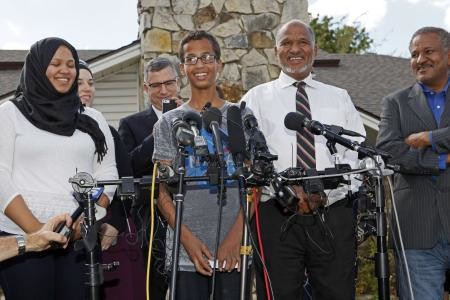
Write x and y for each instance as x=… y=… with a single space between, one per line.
x=160 y=82
x=415 y=130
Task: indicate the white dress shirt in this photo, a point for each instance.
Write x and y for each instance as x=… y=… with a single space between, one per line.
x=272 y=101
x=157 y=112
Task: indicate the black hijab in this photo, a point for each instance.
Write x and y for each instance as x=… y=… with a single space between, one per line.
x=44 y=106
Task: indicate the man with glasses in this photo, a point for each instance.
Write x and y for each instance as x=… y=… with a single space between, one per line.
x=160 y=82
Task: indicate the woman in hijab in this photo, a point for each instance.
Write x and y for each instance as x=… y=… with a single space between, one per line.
x=118 y=234
x=46 y=136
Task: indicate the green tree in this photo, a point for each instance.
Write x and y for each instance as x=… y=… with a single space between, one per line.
x=336 y=37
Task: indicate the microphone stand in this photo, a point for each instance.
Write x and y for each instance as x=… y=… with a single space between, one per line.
x=85 y=182
x=222 y=171
x=246 y=249
x=178 y=198
x=381 y=256
x=89 y=233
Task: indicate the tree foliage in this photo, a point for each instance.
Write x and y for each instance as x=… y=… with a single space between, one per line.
x=337 y=37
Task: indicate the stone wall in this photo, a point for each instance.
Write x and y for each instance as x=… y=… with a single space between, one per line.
x=245 y=30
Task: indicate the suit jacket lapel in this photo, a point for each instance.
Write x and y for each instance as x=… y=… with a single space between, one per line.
x=445 y=118
x=418 y=103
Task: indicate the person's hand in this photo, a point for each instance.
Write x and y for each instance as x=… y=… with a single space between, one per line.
x=76 y=228
x=419 y=140
x=179 y=102
x=41 y=239
x=198 y=253
x=308 y=203
x=229 y=254
x=108 y=236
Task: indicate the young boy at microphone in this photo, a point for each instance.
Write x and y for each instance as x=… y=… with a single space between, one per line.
x=199 y=54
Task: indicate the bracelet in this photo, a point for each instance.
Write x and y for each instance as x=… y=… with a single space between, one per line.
x=20 y=244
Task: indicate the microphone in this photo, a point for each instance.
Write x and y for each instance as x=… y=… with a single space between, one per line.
x=262 y=159
x=296 y=121
x=212 y=118
x=65 y=230
x=315 y=127
x=195 y=123
x=236 y=135
x=257 y=140
x=341 y=131
x=181 y=133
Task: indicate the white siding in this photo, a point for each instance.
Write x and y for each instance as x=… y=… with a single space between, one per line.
x=116 y=95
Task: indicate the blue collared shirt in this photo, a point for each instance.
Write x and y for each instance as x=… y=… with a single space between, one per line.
x=436 y=102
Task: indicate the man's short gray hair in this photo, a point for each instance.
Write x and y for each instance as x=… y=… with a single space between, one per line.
x=443 y=34
x=298 y=22
x=158 y=64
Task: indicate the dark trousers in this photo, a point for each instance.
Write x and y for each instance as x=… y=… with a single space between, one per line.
x=327 y=252
x=50 y=275
x=194 y=286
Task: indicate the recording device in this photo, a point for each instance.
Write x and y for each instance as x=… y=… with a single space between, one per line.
x=212 y=118
x=296 y=121
x=236 y=135
x=181 y=133
x=262 y=160
x=195 y=123
x=62 y=227
x=168 y=104
x=165 y=173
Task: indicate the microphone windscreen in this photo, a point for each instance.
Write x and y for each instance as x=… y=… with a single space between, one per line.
x=192 y=117
x=235 y=132
x=211 y=114
x=294 y=121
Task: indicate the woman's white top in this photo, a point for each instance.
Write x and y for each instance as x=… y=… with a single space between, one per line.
x=37 y=164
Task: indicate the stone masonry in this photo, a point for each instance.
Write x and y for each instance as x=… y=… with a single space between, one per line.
x=245 y=30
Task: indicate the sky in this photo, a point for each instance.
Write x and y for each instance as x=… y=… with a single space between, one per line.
x=110 y=24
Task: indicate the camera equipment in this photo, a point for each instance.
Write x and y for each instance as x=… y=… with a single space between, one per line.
x=194 y=121
x=296 y=121
x=181 y=132
x=168 y=104
x=262 y=160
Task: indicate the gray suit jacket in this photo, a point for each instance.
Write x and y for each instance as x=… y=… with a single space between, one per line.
x=421 y=190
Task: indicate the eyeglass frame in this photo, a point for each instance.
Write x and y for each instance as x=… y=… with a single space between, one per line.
x=158 y=85
x=203 y=58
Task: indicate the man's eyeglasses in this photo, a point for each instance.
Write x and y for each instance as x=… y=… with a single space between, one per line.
x=206 y=59
x=157 y=85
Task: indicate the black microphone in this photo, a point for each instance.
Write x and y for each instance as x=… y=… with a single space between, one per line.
x=317 y=126
x=296 y=121
x=212 y=118
x=236 y=135
x=260 y=156
x=181 y=133
x=62 y=227
x=341 y=131
x=194 y=121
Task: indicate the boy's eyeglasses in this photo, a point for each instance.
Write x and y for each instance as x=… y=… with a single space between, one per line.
x=206 y=59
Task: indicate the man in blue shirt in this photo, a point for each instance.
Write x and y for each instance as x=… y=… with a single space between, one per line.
x=415 y=130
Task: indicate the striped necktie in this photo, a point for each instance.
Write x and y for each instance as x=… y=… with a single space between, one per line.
x=306 y=154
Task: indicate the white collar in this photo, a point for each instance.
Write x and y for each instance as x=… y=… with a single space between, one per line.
x=285 y=80
x=157 y=112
